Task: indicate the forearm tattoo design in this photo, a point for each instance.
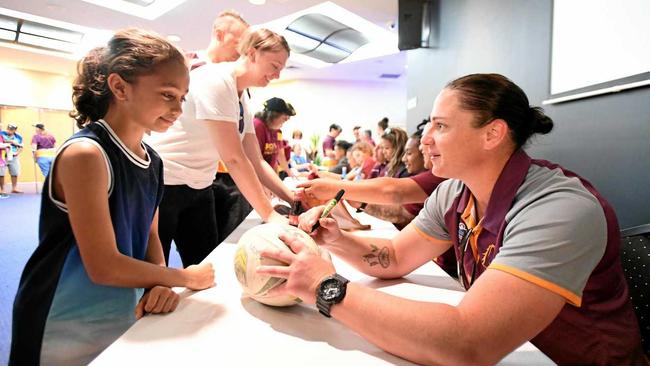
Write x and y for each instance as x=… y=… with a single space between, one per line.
x=377 y=256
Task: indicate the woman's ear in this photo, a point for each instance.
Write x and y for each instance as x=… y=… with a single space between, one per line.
x=252 y=54
x=219 y=34
x=119 y=87
x=496 y=132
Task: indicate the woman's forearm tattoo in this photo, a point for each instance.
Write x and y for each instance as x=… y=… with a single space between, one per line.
x=377 y=256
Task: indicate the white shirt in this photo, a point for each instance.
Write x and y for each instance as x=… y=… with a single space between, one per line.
x=189 y=155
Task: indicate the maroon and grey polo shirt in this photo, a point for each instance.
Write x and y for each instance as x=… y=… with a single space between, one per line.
x=546 y=225
x=428 y=183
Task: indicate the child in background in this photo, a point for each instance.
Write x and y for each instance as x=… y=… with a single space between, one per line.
x=3 y=165
x=98 y=242
x=393 y=142
x=362 y=154
x=298 y=160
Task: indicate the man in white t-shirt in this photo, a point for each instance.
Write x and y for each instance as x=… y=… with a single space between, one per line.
x=216 y=125
x=188 y=206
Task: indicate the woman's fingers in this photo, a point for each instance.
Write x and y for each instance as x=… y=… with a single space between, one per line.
x=274 y=271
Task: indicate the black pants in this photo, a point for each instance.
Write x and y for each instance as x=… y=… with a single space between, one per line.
x=230 y=206
x=186 y=215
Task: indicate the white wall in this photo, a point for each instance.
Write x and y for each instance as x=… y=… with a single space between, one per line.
x=27 y=88
x=319 y=103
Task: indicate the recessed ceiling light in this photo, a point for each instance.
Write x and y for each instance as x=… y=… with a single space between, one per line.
x=147 y=9
x=173 y=38
x=32 y=33
x=377 y=41
x=257 y=2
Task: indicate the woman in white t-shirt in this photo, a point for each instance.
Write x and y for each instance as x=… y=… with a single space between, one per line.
x=215 y=132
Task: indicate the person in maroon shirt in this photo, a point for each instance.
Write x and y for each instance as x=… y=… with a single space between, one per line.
x=392 y=143
x=356 y=132
x=538 y=249
x=330 y=141
x=367 y=137
x=43 y=148
x=267 y=128
x=362 y=155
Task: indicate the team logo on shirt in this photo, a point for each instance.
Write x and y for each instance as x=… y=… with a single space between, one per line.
x=487 y=255
x=269 y=148
x=462 y=230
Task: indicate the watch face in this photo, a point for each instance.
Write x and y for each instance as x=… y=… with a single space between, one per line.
x=330 y=290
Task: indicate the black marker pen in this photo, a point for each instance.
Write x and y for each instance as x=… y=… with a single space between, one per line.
x=330 y=205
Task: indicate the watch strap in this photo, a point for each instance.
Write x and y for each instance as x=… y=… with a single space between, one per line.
x=323 y=305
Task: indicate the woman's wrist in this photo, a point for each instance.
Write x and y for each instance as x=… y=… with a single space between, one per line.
x=339 y=241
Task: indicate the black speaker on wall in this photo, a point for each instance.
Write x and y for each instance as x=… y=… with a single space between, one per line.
x=417 y=24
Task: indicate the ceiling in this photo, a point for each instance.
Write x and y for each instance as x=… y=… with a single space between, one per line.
x=192 y=21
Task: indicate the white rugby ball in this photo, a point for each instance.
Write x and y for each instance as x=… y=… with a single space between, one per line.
x=248 y=258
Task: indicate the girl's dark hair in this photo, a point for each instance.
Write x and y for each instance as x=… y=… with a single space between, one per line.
x=383 y=123
x=342 y=144
x=129 y=53
x=397 y=138
x=419 y=129
x=492 y=96
x=334 y=126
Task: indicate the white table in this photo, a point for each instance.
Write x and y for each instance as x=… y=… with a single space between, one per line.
x=219 y=327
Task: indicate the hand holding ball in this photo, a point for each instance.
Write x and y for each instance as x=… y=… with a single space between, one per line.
x=248 y=258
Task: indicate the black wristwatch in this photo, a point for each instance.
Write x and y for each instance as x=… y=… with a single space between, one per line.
x=330 y=291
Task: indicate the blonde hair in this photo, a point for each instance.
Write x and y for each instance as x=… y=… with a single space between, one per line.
x=263 y=40
x=364 y=147
x=224 y=16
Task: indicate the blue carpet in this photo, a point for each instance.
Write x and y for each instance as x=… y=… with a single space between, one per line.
x=18 y=239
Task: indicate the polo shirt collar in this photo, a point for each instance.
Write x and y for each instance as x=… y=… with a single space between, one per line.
x=505 y=189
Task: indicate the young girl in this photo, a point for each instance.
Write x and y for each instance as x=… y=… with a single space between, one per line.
x=362 y=154
x=215 y=132
x=98 y=243
x=392 y=142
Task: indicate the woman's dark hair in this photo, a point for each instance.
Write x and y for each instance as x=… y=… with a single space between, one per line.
x=419 y=129
x=397 y=138
x=492 y=96
x=269 y=116
x=383 y=124
x=342 y=144
x=334 y=126
x=129 y=53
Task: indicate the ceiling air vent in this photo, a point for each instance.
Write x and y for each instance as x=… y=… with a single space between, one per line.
x=390 y=76
x=147 y=9
x=323 y=38
x=141 y=2
x=30 y=33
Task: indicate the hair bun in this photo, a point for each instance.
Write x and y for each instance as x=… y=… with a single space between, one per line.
x=540 y=122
